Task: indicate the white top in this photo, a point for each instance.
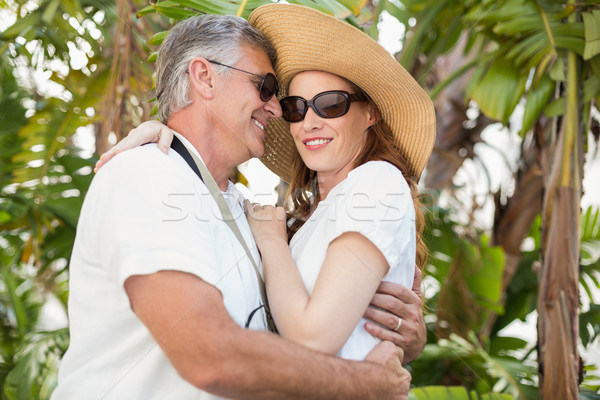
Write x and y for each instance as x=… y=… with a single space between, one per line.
x=375 y=201
x=145 y=212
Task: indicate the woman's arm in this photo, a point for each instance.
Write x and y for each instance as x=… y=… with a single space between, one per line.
x=147 y=132
x=349 y=277
x=393 y=301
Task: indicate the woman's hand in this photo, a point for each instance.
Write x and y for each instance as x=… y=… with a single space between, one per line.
x=147 y=132
x=266 y=222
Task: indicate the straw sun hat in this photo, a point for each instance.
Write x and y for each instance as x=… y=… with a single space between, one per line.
x=306 y=39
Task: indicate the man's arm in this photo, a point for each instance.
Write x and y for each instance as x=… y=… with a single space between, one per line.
x=393 y=301
x=187 y=318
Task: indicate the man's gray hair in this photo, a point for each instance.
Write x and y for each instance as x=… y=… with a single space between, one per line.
x=214 y=37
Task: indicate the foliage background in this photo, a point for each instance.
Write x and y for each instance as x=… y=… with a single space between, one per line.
x=76 y=69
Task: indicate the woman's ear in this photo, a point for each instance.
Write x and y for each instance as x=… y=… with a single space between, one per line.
x=202 y=78
x=374 y=114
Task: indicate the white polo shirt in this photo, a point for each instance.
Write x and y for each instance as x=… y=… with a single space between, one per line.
x=145 y=212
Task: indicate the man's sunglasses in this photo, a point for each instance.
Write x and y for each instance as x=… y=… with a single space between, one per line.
x=267 y=87
x=330 y=104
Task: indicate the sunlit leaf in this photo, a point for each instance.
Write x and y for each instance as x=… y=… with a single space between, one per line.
x=439 y=393
x=500 y=90
x=158 y=38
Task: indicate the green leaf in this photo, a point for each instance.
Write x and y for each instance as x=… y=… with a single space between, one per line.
x=158 y=38
x=484 y=279
x=557 y=71
x=595 y=65
x=412 y=47
x=591 y=21
x=501 y=345
x=589 y=323
x=21 y=27
x=440 y=393
x=173 y=10
x=591 y=88
x=530 y=50
x=537 y=100
x=50 y=12
x=500 y=90
x=210 y=6
x=312 y=4
x=36 y=365
x=152 y=57
x=146 y=10
x=355 y=6
x=556 y=108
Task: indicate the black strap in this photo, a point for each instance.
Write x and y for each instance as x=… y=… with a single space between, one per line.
x=183 y=152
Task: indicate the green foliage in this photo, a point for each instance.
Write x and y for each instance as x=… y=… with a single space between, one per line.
x=591 y=21
x=465 y=362
x=500 y=90
x=43 y=179
x=589 y=321
x=503 y=363
x=538 y=98
x=469 y=272
x=11 y=119
x=589 y=324
x=508 y=42
x=452 y=393
x=183 y=9
x=34 y=375
x=521 y=293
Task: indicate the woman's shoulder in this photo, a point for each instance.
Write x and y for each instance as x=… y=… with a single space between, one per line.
x=381 y=175
x=377 y=167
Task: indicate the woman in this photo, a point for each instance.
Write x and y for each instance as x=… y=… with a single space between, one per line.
x=357 y=134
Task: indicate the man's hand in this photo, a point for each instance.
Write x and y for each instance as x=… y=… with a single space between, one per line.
x=390 y=357
x=393 y=301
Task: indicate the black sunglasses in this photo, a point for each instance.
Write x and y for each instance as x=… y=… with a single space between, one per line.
x=267 y=87
x=330 y=104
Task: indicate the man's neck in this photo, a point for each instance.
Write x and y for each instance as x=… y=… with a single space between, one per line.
x=212 y=151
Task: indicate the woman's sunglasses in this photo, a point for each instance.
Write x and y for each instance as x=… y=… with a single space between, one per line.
x=267 y=87
x=330 y=104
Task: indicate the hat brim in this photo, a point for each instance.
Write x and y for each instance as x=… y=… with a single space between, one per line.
x=306 y=39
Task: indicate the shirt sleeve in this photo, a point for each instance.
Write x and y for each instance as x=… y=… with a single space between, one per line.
x=376 y=202
x=151 y=217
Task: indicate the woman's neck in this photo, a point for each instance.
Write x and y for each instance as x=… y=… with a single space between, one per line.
x=327 y=181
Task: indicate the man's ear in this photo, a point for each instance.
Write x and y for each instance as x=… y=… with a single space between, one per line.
x=202 y=78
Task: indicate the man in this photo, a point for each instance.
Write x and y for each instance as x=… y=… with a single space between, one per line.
x=161 y=288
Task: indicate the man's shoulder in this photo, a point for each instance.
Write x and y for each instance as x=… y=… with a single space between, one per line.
x=146 y=153
x=146 y=169
x=143 y=161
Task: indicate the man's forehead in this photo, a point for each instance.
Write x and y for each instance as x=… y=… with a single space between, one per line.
x=256 y=56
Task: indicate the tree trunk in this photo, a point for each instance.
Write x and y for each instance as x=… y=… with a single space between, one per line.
x=558 y=299
x=128 y=78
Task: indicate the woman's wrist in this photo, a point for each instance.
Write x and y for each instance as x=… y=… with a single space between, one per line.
x=269 y=245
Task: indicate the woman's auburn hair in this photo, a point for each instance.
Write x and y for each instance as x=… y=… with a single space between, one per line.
x=379 y=146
